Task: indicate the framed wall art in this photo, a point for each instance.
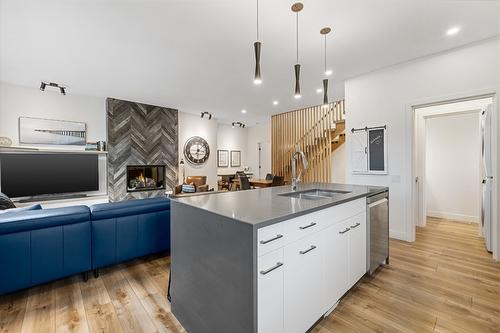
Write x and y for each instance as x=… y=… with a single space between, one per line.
x=235 y=158
x=52 y=132
x=222 y=158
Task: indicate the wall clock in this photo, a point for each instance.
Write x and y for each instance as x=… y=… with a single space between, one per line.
x=196 y=150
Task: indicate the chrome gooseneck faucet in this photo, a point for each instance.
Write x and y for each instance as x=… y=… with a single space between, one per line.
x=295 y=178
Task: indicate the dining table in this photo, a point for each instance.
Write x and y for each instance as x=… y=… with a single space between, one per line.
x=254 y=182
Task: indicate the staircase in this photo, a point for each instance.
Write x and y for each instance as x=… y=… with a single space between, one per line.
x=318 y=131
x=338 y=135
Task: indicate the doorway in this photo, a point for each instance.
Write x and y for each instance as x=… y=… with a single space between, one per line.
x=264 y=159
x=450 y=165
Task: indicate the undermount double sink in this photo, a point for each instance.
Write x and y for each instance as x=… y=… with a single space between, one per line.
x=315 y=194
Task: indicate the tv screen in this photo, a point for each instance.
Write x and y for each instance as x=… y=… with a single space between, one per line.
x=31 y=174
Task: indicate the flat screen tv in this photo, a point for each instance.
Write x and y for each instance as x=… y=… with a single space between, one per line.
x=32 y=174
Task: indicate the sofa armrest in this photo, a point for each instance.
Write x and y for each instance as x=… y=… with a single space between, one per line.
x=129 y=208
x=11 y=222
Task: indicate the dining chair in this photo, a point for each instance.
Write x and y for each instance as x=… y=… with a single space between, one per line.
x=278 y=181
x=244 y=183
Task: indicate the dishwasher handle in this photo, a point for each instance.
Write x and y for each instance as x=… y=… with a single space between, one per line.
x=376 y=203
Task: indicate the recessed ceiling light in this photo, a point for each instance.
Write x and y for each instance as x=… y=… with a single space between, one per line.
x=319 y=91
x=276 y=102
x=243 y=111
x=328 y=72
x=453 y=31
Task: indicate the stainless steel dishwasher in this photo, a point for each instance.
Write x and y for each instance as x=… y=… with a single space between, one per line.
x=377 y=231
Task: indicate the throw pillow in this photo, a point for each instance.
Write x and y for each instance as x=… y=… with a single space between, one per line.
x=5 y=202
x=187 y=188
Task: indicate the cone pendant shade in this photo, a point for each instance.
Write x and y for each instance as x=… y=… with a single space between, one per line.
x=325 y=91
x=257 y=77
x=297 y=81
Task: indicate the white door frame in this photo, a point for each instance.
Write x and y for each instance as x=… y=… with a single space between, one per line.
x=410 y=160
x=420 y=159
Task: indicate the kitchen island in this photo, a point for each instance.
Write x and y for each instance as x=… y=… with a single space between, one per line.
x=266 y=260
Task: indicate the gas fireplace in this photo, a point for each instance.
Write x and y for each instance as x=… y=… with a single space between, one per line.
x=145 y=177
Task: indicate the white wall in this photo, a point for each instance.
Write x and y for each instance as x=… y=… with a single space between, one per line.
x=453 y=144
x=192 y=125
x=259 y=134
x=386 y=97
x=339 y=164
x=16 y=101
x=229 y=138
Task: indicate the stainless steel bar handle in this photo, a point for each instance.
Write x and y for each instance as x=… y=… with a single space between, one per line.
x=356 y=225
x=312 y=224
x=270 y=240
x=308 y=250
x=346 y=230
x=269 y=270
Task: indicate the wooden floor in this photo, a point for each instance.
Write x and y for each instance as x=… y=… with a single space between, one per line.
x=444 y=282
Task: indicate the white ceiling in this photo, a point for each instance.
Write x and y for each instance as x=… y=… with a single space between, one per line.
x=197 y=55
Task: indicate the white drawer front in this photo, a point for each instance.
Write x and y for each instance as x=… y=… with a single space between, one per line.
x=304 y=225
x=336 y=214
x=270 y=238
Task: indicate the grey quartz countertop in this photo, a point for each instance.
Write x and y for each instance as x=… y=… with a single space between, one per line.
x=262 y=207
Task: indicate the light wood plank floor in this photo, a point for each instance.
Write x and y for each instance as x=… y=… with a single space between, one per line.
x=444 y=282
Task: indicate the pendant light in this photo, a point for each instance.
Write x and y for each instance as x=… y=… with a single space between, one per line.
x=296 y=8
x=256 y=46
x=325 y=31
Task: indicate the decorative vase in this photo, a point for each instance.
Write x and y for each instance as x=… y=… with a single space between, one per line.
x=5 y=141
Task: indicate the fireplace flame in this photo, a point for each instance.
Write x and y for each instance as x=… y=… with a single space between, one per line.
x=141 y=178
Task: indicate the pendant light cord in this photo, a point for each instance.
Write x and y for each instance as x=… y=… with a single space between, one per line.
x=257 y=20
x=325 y=53
x=297 y=25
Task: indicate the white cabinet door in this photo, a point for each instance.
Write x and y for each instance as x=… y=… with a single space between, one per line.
x=357 y=247
x=303 y=283
x=270 y=292
x=335 y=263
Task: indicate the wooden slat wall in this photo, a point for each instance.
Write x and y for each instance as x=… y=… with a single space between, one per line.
x=310 y=129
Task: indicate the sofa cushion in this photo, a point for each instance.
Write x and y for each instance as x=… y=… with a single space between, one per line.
x=5 y=202
x=130 y=207
x=44 y=218
x=22 y=209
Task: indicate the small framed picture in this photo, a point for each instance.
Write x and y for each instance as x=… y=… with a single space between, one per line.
x=222 y=158
x=235 y=158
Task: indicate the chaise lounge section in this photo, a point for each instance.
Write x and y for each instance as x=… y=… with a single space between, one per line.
x=42 y=245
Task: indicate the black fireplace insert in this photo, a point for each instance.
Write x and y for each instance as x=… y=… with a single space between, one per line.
x=145 y=177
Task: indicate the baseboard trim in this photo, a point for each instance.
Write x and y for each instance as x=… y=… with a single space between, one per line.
x=454 y=217
x=397 y=235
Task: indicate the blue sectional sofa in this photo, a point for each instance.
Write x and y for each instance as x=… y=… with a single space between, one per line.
x=38 y=246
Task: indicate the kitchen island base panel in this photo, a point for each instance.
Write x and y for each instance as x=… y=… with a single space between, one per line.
x=213 y=272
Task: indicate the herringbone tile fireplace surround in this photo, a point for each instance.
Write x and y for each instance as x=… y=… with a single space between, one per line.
x=140 y=134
